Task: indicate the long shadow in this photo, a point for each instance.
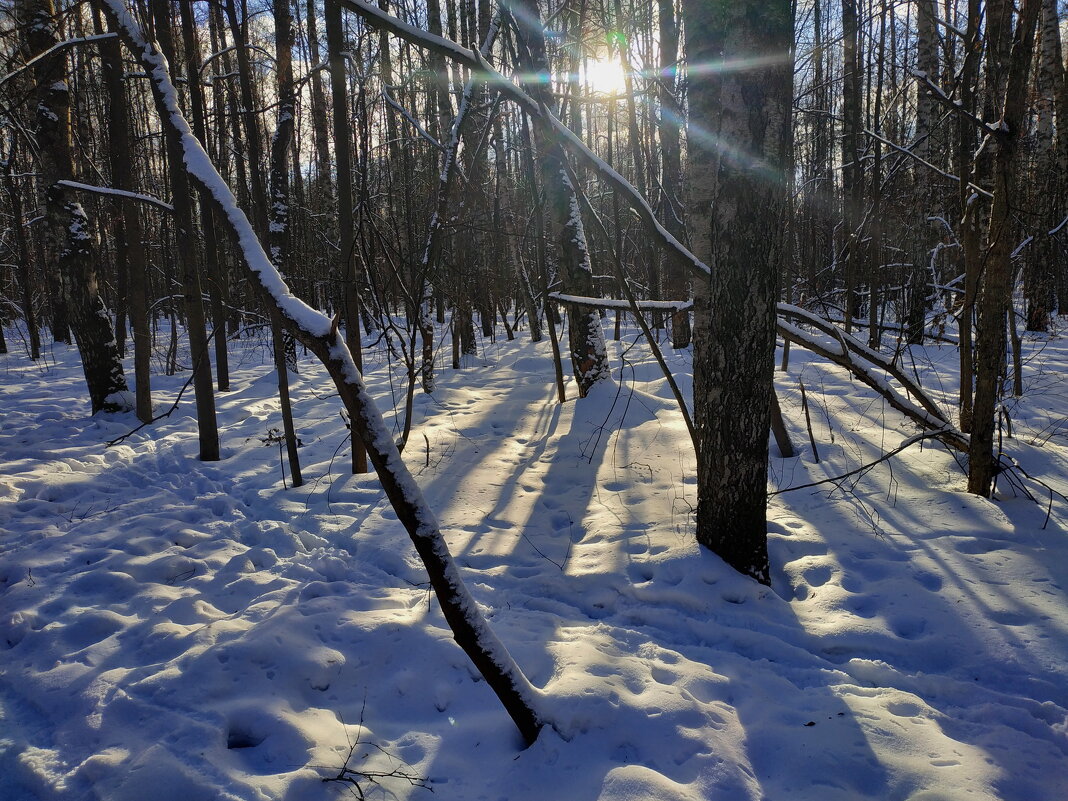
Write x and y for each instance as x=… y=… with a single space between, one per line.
x=996 y=600
x=951 y=647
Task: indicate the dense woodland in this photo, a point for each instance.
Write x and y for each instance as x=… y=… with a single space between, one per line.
x=855 y=177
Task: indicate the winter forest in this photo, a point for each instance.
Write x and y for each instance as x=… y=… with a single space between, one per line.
x=509 y=399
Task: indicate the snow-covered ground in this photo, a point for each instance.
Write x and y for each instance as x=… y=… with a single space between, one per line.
x=171 y=629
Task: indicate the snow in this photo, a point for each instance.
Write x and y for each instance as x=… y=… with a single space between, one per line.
x=615 y=303
x=107 y=190
x=174 y=629
x=57 y=86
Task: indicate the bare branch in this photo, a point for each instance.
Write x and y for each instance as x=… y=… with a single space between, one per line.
x=57 y=48
x=475 y=62
x=953 y=104
x=863 y=468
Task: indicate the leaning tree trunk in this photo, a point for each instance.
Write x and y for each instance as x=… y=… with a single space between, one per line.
x=67 y=234
x=320 y=335
x=735 y=203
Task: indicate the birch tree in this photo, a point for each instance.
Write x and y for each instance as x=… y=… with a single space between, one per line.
x=68 y=232
x=738 y=137
x=589 y=358
x=320 y=334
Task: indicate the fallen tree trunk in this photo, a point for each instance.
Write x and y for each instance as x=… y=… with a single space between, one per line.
x=846 y=351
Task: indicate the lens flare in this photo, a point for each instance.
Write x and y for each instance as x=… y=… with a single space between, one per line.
x=605 y=75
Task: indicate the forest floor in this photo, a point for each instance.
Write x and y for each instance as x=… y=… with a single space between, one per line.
x=177 y=630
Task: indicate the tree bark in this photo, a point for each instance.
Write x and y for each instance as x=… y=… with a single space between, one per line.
x=971 y=237
x=278 y=232
x=995 y=301
x=1040 y=269
x=22 y=251
x=676 y=274
x=736 y=200
x=852 y=165
x=318 y=103
x=67 y=234
x=211 y=244
x=128 y=233
x=923 y=196
x=589 y=358
x=186 y=255
x=345 y=217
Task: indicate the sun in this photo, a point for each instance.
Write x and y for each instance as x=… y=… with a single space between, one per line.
x=606 y=76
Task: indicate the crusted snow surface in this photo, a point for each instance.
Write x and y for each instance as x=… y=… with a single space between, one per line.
x=176 y=629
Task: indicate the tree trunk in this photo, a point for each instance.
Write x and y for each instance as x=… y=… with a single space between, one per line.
x=279 y=235
x=923 y=196
x=186 y=254
x=1040 y=269
x=589 y=358
x=22 y=251
x=67 y=234
x=676 y=272
x=735 y=203
x=345 y=217
x=995 y=301
x=852 y=166
x=970 y=233
x=211 y=244
x=318 y=103
x=128 y=232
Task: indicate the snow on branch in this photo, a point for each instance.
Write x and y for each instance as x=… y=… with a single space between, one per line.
x=123 y=193
x=619 y=303
x=849 y=353
x=908 y=152
x=851 y=344
x=56 y=48
x=955 y=105
x=868 y=365
x=952 y=28
x=411 y=119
